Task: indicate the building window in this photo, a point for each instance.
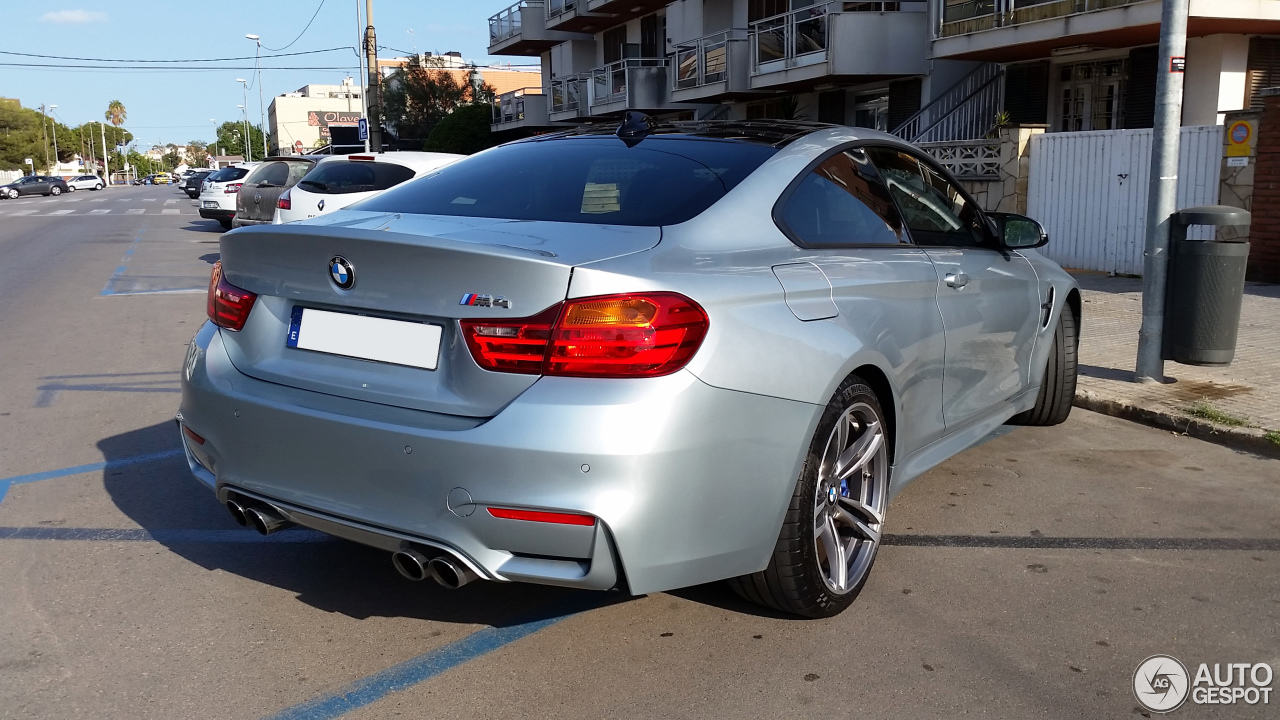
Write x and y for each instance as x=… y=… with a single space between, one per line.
x=1091 y=95
x=831 y=107
x=871 y=110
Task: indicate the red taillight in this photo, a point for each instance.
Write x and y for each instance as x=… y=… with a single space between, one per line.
x=619 y=336
x=539 y=516
x=285 y=202
x=232 y=189
x=191 y=434
x=228 y=305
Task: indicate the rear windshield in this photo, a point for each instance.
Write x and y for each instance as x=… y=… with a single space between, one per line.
x=230 y=173
x=345 y=176
x=662 y=180
x=278 y=174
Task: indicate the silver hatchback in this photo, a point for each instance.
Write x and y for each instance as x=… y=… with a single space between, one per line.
x=640 y=359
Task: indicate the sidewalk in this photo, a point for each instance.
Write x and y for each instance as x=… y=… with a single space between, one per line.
x=1238 y=405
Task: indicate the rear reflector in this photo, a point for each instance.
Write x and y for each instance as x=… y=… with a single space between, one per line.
x=615 y=336
x=544 y=517
x=228 y=305
x=285 y=202
x=360 y=158
x=191 y=434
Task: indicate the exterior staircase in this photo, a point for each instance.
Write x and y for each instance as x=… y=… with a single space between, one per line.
x=966 y=111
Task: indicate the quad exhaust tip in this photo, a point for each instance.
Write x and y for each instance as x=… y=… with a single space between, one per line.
x=446 y=570
x=263 y=518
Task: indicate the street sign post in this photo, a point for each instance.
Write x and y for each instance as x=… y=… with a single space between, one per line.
x=297 y=145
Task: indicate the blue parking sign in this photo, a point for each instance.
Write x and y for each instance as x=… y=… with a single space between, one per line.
x=364 y=129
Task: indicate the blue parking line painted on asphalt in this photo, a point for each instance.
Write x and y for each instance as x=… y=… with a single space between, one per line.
x=414 y=671
x=5 y=483
x=108 y=289
x=174 y=536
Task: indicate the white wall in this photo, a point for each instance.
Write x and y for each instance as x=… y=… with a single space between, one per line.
x=1215 y=81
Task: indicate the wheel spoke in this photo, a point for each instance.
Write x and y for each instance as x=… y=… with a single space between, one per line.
x=858 y=526
x=837 y=556
x=862 y=451
x=861 y=507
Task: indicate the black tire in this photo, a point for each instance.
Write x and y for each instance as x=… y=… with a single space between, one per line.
x=795 y=581
x=71 y=188
x=55 y=191
x=1058 y=390
x=225 y=223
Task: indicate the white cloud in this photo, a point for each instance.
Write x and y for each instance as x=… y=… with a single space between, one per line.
x=74 y=17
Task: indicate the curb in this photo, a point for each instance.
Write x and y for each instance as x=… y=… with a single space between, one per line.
x=1249 y=439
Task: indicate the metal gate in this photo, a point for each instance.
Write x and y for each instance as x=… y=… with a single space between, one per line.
x=1089 y=189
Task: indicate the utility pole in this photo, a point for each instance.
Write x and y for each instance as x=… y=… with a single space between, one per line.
x=1162 y=198
x=248 y=137
x=53 y=128
x=375 y=80
x=44 y=137
x=364 y=91
x=106 y=165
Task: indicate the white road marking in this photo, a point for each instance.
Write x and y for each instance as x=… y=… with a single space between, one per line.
x=135 y=211
x=148 y=199
x=170 y=211
x=170 y=202
x=26 y=212
x=98 y=200
x=61 y=212
x=100 y=211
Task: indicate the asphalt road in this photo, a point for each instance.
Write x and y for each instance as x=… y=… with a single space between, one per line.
x=1027 y=577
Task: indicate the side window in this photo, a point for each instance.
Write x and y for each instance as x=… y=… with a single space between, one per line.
x=842 y=203
x=934 y=209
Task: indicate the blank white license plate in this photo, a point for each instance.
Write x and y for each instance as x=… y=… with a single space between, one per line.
x=368 y=338
x=210 y=204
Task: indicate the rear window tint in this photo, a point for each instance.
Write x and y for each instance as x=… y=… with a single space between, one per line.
x=231 y=173
x=662 y=180
x=344 y=176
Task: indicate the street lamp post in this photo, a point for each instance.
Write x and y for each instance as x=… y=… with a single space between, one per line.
x=262 y=109
x=44 y=137
x=216 y=150
x=248 y=151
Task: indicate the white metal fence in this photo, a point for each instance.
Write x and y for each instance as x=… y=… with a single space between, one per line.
x=8 y=176
x=1089 y=189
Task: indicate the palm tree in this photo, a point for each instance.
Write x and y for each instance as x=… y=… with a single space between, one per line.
x=116 y=114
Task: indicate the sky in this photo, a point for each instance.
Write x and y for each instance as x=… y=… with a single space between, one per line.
x=167 y=106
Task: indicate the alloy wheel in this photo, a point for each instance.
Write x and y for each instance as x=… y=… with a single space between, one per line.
x=850 y=499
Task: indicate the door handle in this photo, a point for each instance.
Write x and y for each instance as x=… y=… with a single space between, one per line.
x=957 y=280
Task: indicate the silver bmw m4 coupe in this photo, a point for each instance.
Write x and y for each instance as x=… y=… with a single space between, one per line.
x=638 y=357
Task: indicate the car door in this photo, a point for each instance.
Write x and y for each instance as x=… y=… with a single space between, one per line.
x=988 y=296
x=861 y=272
x=35 y=186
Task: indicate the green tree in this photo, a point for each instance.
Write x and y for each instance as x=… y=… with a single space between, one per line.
x=19 y=137
x=464 y=131
x=422 y=93
x=231 y=139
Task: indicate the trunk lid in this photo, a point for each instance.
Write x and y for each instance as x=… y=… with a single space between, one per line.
x=407 y=267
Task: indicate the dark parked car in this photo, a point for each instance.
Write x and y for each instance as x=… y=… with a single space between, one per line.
x=34 y=185
x=191 y=185
x=262 y=188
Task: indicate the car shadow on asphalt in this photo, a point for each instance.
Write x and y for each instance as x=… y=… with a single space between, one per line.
x=161 y=496
x=204 y=226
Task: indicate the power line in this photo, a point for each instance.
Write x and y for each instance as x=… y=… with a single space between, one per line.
x=344 y=68
x=197 y=60
x=304 y=30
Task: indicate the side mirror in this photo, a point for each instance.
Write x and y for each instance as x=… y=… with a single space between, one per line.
x=1018 y=232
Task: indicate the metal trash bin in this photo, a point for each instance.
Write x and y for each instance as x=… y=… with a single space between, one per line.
x=1205 y=289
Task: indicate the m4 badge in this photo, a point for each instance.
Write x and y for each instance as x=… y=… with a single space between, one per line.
x=485 y=301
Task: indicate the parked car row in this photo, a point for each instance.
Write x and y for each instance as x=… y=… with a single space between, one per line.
x=284 y=189
x=49 y=185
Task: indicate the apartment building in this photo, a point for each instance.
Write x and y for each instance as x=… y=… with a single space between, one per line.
x=935 y=70
x=300 y=120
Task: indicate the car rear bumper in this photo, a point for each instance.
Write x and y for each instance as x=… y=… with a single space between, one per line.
x=688 y=483
x=241 y=222
x=217 y=214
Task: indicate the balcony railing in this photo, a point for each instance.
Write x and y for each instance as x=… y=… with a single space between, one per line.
x=787 y=38
x=706 y=60
x=560 y=7
x=506 y=24
x=960 y=17
x=566 y=94
x=609 y=83
x=510 y=105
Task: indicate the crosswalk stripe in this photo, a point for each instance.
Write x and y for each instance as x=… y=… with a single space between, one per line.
x=170 y=211
x=25 y=212
x=100 y=211
x=135 y=211
x=62 y=212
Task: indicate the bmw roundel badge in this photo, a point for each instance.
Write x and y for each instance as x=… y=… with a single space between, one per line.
x=344 y=276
